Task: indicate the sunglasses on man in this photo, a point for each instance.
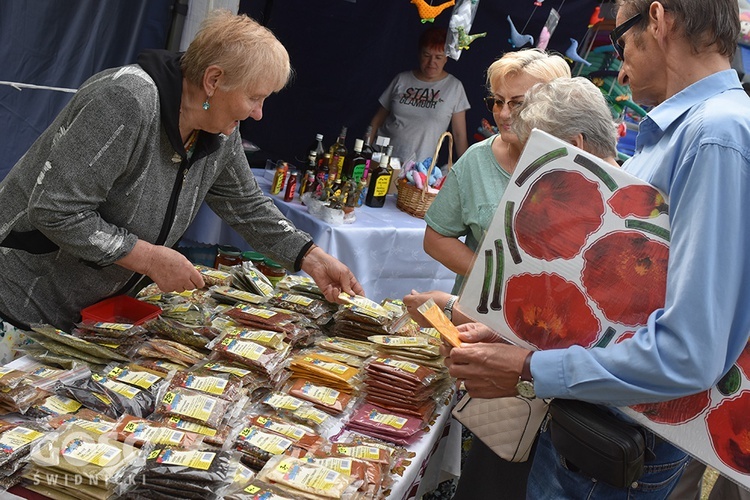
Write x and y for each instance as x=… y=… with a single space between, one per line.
x=616 y=34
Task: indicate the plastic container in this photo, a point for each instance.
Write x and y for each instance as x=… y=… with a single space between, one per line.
x=121 y=309
x=227 y=256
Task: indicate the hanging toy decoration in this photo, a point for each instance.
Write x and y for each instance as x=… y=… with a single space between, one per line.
x=517 y=40
x=572 y=53
x=465 y=40
x=459 y=26
x=595 y=17
x=427 y=12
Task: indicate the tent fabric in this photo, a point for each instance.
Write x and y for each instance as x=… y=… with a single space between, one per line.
x=60 y=44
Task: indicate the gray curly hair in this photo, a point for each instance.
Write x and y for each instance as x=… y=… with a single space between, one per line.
x=566 y=107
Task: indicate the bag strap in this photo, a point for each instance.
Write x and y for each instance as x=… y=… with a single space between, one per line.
x=435 y=158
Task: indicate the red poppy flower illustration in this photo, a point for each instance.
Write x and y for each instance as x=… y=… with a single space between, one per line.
x=549 y=312
x=560 y=211
x=729 y=429
x=638 y=200
x=675 y=411
x=624 y=336
x=744 y=361
x=625 y=273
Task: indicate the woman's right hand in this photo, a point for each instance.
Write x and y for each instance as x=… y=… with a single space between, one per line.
x=416 y=299
x=169 y=269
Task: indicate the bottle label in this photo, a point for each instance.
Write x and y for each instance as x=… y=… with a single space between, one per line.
x=381 y=185
x=358 y=171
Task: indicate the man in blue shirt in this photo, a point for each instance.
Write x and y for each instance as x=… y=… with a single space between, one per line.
x=694 y=146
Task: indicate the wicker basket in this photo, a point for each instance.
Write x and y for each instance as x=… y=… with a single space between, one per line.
x=415 y=201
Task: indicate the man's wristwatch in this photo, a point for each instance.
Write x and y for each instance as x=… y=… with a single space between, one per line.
x=448 y=309
x=525 y=385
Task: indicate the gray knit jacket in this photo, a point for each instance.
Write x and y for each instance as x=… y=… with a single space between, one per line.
x=102 y=176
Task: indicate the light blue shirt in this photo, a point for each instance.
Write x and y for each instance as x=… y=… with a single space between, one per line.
x=695 y=147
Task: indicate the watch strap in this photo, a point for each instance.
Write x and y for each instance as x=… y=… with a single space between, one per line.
x=448 y=309
x=526 y=370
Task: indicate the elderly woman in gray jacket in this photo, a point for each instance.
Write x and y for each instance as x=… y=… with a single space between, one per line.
x=106 y=191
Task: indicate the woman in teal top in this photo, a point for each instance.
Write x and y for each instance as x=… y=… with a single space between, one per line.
x=467 y=201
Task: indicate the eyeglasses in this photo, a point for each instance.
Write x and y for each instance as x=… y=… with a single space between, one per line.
x=491 y=102
x=616 y=34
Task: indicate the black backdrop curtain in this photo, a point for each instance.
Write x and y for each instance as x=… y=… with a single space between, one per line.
x=345 y=52
x=60 y=44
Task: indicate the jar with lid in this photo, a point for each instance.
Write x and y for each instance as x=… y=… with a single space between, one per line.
x=272 y=270
x=256 y=258
x=227 y=256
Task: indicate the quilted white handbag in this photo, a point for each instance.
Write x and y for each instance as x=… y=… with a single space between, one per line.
x=507 y=425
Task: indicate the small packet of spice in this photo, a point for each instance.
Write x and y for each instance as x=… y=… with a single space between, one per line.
x=90 y=420
x=10 y=378
x=16 y=440
x=303 y=478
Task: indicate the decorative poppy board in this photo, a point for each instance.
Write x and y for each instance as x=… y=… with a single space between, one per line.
x=577 y=255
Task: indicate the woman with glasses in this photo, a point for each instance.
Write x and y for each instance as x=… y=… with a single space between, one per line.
x=465 y=206
x=468 y=199
x=420 y=104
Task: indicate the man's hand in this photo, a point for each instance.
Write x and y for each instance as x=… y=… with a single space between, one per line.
x=331 y=276
x=485 y=362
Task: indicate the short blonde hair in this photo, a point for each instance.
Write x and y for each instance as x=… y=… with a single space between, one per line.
x=249 y=53
x=534 y=62
x=566 y=107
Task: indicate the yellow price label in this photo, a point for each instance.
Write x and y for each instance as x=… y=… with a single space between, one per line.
x=168 y=398
x=245 y=432
x=115 y=371
x=226 y=341
x=252 y=489
x=284 y=467
x=262 y=420
x=131 y=427
x=154 y=454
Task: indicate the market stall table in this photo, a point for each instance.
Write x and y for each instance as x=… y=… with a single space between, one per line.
x=383 y=247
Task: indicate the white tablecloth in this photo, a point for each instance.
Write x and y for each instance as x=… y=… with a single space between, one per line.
x=383 y=247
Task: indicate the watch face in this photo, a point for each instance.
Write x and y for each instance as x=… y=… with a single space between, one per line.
x=525 y=389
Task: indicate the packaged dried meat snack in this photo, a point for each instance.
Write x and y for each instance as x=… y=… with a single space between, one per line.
x=213 y=437
x=245 y=375
x=135 y=375
x=312 y=308
x=212 y=277
x=90 y=420
x=301 y=435
x=326 y=398
x=349 y=346
x=201 y=474
x=377 y=422
x=370 y=473
x=10 y=378
x=267 y=338
x=298 y=410
x=16 y=440
x=112 y=330
x=179 y=332
x=230 y=295
x=258 y=490
x=258 y=445
x=249 y=353
x=223 y=385
x=325 y=370
x=410 y=372
x=139 y=431
x=54 y=405
x=308 y=480
x=194 y=406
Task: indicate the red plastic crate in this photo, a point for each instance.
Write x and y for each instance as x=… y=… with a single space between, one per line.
x=120 y=309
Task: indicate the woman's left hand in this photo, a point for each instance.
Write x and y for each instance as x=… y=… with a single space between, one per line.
x=331 y=276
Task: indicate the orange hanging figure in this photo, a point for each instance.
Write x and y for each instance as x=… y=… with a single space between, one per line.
x=428 y=12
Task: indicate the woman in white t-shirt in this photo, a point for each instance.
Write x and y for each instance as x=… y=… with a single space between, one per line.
x=420 y=104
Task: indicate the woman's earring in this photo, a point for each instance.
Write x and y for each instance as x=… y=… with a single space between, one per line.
x=206 y=105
